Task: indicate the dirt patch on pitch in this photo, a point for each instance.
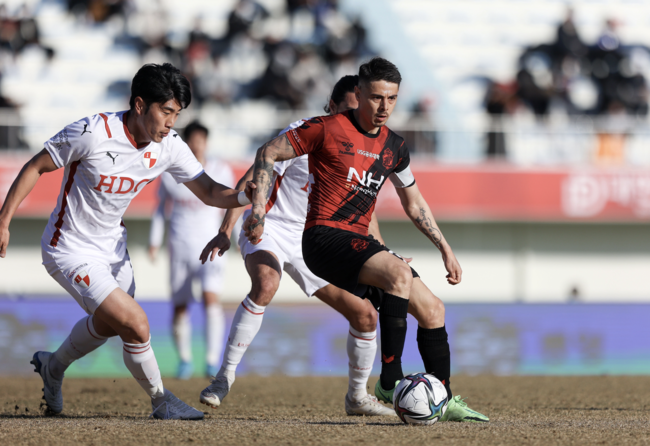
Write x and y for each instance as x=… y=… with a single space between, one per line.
x=296 y=411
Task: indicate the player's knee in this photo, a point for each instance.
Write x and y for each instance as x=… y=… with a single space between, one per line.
x=263 y=291
x=137 y=330
x=434 y=315
x=401 y=279
x=365 y=321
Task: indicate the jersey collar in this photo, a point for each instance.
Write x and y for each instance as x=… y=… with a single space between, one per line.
x=358 y=127
x=128 y=134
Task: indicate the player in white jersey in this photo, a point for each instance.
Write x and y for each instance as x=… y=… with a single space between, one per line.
x=191 y=226
x=108 y=159
x=280 y=248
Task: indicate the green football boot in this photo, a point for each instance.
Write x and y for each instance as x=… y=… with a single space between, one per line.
x=385 y=395
x=457 y=410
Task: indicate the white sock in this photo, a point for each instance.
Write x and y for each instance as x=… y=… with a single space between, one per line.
x=182 y=330
x=214 y=330
x=362 y=348
x=245 y=325
x=82 y=340
x=142 y=364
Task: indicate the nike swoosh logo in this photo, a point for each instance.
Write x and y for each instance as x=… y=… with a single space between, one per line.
x=389 y=359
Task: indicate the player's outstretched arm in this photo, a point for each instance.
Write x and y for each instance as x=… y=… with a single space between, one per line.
x=21 y=187
x=216 y=194
x=278 y=149
x=419 y=212
x=221 y=242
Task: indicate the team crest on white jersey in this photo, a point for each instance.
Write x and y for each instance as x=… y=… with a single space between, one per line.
x=82 y=279
x=149 y=159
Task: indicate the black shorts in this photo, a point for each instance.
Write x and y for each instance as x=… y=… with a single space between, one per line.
x=337 y=256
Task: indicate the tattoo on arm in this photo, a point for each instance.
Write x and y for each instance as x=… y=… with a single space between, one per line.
x=260 y=219
x=278 y=149
x=426 y=227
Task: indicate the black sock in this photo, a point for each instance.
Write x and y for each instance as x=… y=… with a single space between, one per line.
x=392 y=321
x=434 y=349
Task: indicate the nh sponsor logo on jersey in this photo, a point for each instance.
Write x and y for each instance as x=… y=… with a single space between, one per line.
x=149 y=159
x=82 y=279
x=368 y=154
x=366 y=179
x=124 y=186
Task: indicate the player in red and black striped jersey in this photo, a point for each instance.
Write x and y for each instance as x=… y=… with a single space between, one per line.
x=349 y=166
x=351 y=155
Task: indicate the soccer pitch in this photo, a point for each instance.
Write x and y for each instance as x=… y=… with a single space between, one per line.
x=309 y=410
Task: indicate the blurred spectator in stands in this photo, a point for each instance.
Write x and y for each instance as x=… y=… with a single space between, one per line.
x=98 y=11
x=568 y=41
x=275 y=84
x=419 y=138
x=535 y=82
x=310 y=77
x=20 y=31
x=242 y=17
x=500 y=100
x=10 y=133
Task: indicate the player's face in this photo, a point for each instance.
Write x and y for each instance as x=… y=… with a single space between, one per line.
x=349 y=102
x=198 y=142
x=376 y=103
x=160 y=119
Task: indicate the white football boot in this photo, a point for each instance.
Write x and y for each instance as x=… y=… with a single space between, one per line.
x=173 y=408
x=219 y=387
x=368 y=406
x=51 y=387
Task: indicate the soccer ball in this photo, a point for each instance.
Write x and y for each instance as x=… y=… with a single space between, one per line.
x=420 y=399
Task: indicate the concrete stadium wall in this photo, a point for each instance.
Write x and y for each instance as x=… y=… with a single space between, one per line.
x=502 y=262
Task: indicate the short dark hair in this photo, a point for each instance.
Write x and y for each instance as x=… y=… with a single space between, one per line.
x=379 y=69
x=194 y=126
x=158 y=84
x=345 y=85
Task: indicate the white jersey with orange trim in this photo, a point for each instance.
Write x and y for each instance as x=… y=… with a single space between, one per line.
x=104 y=171
x=192 y=224
x=288 y=200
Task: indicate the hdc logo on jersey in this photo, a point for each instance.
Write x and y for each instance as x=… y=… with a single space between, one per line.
x=82 y=279
x=149 y=159
x=125 y=185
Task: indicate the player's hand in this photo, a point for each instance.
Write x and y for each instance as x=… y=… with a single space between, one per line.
x=218 y=245
x=153 y=253
x=4 y=241
x=249 y=190
x=254 y=227
x=453 y=268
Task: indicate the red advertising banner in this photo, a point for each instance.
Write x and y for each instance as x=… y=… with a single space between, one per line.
x=462 y=193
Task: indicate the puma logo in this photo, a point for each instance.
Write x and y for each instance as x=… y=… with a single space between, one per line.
x=85 y=130
x=389 y=359
x=108 y=154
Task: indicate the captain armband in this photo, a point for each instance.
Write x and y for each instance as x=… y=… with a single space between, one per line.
x=402 y=179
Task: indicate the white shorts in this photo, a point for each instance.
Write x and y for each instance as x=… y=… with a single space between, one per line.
x=287 y=247
x=89 y=279
x=183 y=271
